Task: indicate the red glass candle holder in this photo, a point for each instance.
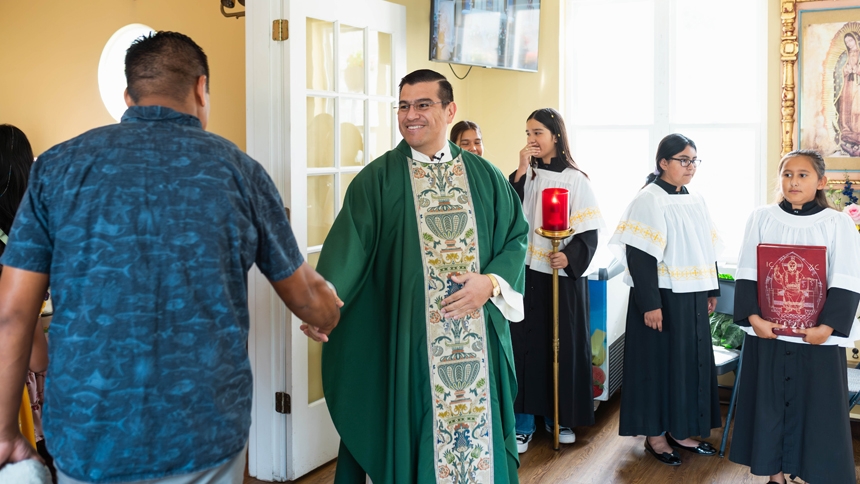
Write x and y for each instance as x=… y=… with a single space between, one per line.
x=556 y=210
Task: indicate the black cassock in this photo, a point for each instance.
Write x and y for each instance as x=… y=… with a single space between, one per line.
x=532 y=337
x=670 y=379
x=792 y=413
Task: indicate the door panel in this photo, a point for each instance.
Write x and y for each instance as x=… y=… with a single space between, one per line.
x=319 y=109
x=350 y=45
x=320 y=55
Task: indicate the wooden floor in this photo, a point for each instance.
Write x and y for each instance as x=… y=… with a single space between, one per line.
x=601 y=456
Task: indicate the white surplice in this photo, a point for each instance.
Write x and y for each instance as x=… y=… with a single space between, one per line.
x=678 y=231
x=584 y=212
x=829 y=228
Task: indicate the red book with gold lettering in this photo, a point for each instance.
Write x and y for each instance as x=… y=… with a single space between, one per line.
x=792 y=285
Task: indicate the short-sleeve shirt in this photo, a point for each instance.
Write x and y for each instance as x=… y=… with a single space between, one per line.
x=148 y=229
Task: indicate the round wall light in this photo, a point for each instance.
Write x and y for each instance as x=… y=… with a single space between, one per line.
x=112 y=67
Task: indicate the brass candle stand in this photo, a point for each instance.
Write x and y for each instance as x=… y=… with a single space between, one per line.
x=555 y=237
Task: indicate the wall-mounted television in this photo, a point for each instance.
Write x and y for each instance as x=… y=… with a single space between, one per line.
x=489 y=33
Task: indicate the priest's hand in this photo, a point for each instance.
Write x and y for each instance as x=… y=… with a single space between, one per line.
x=314 y=333
x=337 y=301
x=815 y=335
x=654 y=319
x=557 y=260
x=476 y=291
x=712 y=304
x=762 y=327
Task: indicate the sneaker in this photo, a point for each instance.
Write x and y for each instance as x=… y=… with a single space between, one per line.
x=523 y=442
x=565 y=434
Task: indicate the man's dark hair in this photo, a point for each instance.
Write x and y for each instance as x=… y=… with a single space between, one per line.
x=446 y=92
x=166 y=64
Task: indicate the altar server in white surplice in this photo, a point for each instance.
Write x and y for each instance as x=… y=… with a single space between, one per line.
x=546 y=162
x=669 y=245
x=792 y=414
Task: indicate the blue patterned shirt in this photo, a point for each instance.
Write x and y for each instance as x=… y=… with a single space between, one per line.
x=148 y=229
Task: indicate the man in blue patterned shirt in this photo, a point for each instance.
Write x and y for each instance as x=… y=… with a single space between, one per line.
x=147 y=230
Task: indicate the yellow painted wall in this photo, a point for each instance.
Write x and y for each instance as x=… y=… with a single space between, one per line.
x=51 y=92
x=498 y=100
x=50 y=55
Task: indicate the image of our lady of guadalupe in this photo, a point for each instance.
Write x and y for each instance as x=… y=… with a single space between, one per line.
x=846 y=90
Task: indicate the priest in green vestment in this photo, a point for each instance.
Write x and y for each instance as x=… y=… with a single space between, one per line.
x=428 y=256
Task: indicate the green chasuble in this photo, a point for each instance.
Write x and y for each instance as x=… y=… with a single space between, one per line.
x=376 y=376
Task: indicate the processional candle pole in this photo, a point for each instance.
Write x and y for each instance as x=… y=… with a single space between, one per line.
x=555 y=227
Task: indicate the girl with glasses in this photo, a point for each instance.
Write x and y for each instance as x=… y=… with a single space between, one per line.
x=792 y=414
x=669 y=244
x=546 y=162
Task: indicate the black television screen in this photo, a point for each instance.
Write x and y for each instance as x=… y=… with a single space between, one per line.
x=488 y=33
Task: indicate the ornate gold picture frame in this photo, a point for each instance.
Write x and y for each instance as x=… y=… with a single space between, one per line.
x=820 y=49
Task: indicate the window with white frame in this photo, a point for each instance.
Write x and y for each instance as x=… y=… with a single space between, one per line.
x=637 y=70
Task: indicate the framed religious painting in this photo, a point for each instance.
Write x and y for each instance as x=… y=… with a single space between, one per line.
x=821 y=49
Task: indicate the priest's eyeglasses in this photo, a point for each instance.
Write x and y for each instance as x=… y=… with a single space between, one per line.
x=421 y=106
x=685 y=162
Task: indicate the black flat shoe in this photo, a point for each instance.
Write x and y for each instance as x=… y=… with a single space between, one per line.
x=672 y=459
x=703 y=448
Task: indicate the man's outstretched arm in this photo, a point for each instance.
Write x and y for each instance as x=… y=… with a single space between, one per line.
x=308 y=296
x=21 y=295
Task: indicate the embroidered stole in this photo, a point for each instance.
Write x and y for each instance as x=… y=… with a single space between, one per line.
x=457 y=350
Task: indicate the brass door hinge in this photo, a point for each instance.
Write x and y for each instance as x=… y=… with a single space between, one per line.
x=282 y=403
x=280 y=30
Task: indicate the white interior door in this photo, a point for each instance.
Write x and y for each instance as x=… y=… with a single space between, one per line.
x=320 y=107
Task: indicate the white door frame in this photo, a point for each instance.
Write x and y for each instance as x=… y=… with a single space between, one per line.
x=268 y=339
x=283 y=447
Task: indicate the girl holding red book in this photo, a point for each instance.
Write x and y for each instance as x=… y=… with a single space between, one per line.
x=792 y=414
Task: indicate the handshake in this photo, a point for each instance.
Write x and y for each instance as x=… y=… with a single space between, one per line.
x=318 y=334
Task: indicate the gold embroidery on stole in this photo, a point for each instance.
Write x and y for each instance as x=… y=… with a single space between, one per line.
x=457 y=350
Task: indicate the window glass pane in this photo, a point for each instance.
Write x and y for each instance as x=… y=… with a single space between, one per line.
x=320 y=132
x=345 y=180
x=726 y=179
x=315 y=390
x=615 y=177
x=313 y=259
x=381 y=115
x=351 y=59
x=714 y=76
x=320 y=207
x=320 y=61
x=351 y=132
x=380 y=64
x=614 y=63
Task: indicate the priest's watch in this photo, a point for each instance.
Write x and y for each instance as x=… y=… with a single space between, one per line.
x=496 y=288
